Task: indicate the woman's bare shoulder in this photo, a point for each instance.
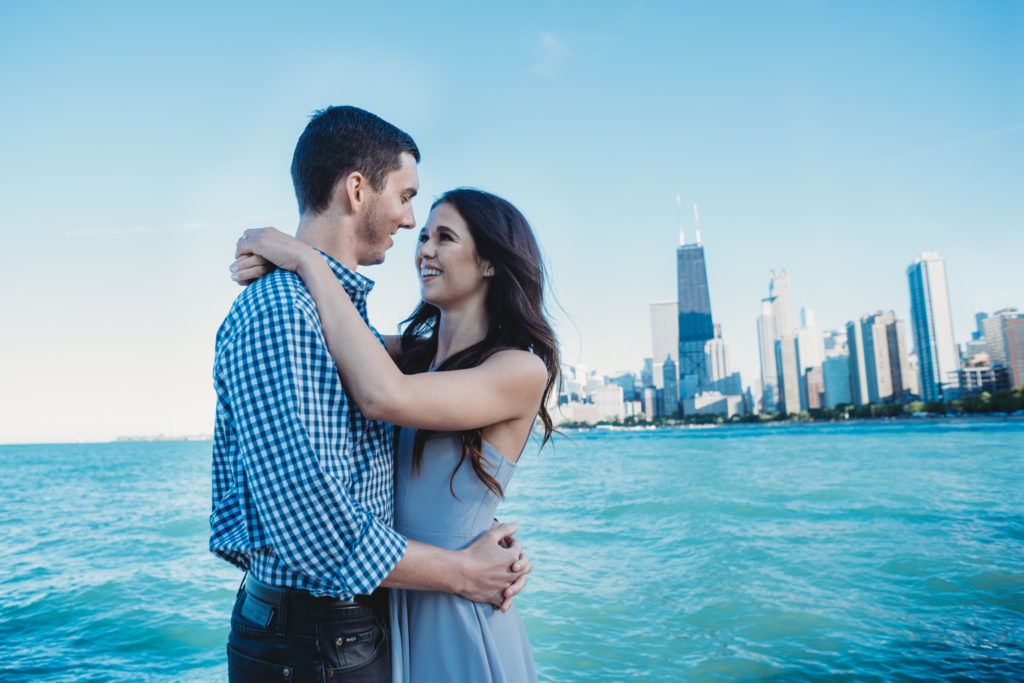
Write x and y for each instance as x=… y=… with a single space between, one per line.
x=528 y=365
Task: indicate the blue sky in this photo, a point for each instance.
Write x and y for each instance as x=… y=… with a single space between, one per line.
x=836 y=140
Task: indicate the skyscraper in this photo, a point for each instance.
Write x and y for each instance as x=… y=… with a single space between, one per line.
x=932 y=323
x=695 y=325
x=792 y=392
x=767 y=333
x=836 y=372
x=979 y=319
x=782 y=309
x=670 y=393
x=858 y=373
x=718 y=356
x=775 y=321
x=1004 y=336
x=994 y=334
x=1014 y=330
x=665 y=331
x=886 y=362
x=814 y=381
x=812 y=348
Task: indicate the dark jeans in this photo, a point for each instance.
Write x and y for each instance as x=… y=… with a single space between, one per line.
x=288 y=635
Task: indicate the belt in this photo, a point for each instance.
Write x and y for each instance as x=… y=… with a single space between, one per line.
x=296 y=598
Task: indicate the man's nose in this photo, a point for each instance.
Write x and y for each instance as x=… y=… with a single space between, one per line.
x=409 y=220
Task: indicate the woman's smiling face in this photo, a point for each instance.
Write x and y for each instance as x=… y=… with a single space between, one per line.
x=448 y=265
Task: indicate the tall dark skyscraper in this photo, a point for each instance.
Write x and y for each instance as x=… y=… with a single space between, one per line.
x=695 y=325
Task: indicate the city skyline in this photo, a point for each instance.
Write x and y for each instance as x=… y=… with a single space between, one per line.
x=804 y=369
x=835 y=141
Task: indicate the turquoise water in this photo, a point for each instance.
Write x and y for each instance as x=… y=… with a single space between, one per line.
x=864 y=552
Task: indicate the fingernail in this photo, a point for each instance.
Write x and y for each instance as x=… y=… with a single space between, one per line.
x=234 y=276
x=233 y=268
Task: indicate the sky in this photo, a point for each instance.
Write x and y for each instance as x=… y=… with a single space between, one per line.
x=836 y=140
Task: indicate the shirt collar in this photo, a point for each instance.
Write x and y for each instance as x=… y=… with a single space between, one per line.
x=354 y=283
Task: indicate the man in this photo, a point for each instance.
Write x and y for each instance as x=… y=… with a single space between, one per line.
x=302 y=494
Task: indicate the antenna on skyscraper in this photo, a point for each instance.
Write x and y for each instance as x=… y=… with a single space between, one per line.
x=696 y=221
x=679 y=211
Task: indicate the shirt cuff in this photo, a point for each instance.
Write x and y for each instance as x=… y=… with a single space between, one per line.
x=374 y=555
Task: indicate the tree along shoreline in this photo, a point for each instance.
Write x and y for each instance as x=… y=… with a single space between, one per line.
x=1002 y=403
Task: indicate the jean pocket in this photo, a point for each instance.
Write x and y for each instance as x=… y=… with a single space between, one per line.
x=355 y=650
x=246 y=669
x=251 y=615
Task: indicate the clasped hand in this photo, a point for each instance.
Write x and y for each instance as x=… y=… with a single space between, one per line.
x=260 y=250
x=497 y=562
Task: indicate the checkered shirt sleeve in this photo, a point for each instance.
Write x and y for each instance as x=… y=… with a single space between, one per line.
x=294 y=460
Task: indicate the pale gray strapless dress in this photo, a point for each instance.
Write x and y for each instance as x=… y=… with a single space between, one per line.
x=439 y=636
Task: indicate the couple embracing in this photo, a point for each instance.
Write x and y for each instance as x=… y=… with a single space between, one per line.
x=355 y=475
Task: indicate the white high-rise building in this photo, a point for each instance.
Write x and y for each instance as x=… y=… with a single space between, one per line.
x=718 y=356
x=782 y=309
x=665 y=332
x=718 y=359
x=792 y=392
x=886 y=360
x=996 y=345
x=767 y=333
x=931 y=319
x=608 y=400
x=914 y=376
x=812 y=347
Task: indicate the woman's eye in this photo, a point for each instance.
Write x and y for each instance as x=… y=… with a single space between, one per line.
x=423 y=238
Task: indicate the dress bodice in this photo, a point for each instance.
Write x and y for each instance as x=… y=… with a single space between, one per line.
x=426 y=510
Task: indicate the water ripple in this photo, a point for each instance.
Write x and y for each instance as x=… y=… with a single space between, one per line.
x=869 y=552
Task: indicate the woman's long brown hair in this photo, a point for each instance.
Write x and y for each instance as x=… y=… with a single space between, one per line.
x=515 y=314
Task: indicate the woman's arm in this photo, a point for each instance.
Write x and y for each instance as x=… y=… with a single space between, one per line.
x=256 y=266
x=506 y=386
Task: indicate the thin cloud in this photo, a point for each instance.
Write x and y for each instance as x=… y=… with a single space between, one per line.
x=978 y=137
x=136 y=229
x=551 y=52
x=961 y=142
x=89 y=232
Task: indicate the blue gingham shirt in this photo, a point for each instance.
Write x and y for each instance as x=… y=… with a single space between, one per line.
x=302 y=482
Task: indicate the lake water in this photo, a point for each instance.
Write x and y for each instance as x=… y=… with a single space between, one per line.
x=813 y=552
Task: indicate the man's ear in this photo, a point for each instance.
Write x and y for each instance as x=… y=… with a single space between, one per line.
x=350 y=191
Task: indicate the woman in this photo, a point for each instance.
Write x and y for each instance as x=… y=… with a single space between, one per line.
x=467 y=380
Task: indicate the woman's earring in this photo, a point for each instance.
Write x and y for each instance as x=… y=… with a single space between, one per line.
x=489 y=272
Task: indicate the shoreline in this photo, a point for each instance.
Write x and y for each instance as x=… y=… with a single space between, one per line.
x=1017 y=416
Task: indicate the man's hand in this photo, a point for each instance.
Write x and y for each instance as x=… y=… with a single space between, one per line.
x=495 y=567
